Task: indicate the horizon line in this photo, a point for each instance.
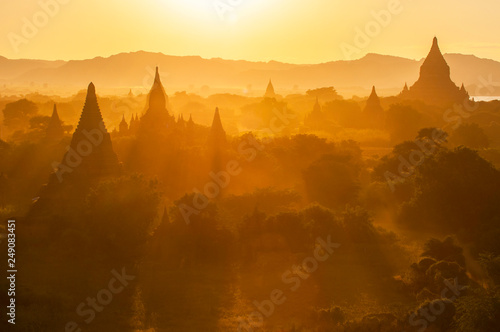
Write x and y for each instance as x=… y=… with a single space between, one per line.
x=227 y=59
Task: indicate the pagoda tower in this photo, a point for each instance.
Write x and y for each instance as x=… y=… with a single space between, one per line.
x=123 y=128
x=132 y=125
x=434 y=85
x=270 y=91
x=217 y=137
x=91 y=154
x=157 y=118
x=55 y=131
x=217 y=143
x=315 y=119
x=373 y=113
x=181 y=123
x=90 y=158
x=190 y=123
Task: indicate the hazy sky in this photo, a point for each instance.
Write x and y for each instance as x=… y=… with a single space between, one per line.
x=295 y=31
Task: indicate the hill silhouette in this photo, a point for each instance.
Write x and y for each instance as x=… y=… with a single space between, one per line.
x=136 y=70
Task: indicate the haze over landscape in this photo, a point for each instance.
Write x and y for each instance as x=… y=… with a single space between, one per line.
x=232 y=165
x=191 y=74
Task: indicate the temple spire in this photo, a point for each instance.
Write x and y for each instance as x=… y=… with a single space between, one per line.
x=434 y=85
x=190 y=123
x=270 y=91
x=373 y=102
x=315 y=119
x=217 y=136
x=217 y=143
x=55 y=130
x=373 y=112
x=92 y=141
x=123 y=127
x=157 y=117
x=157 y=75
x=157 y=96
x=91 y=115
x=434 y=64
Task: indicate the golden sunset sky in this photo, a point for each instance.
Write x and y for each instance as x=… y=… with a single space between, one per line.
x=294 y=31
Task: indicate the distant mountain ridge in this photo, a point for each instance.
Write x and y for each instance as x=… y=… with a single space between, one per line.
x=136 y=70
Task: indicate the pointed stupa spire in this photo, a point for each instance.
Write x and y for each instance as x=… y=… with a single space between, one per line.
x=464 y=92
x=134 y=123
x=217 y=136
x=91 y=115
x=217 y=143
x=157 y=75
x=405 y=89
x=55 y=130
x=157 y=95
x=55 y=115
x=373 y=102
x=316 y=118
x=190 y=123
x=434 y=86
x=130 y=93
x=91 y=137
x=373 y=112
x=270 y=91
x=123 y=127
x=180 y=121
x=435 y=60
x=157 y=117
x=373 y=94
x=217 y=123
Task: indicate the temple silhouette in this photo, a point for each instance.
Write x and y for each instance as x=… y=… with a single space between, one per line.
x=316 y=118
x=217 y=143
x=157 y=116
x=55 y=131
x=270 y=91
x=434 y=85
x=90 y=157
x=373 y=113
x=92 y=142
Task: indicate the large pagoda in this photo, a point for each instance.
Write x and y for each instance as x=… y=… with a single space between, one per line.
x=434 y=85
